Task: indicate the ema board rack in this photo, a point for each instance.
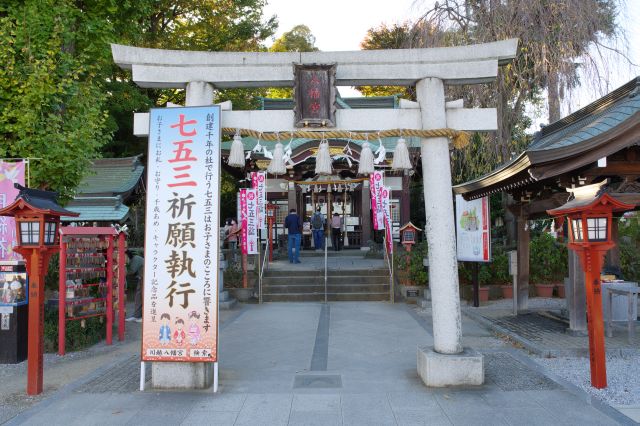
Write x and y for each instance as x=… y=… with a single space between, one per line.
x=92 y=278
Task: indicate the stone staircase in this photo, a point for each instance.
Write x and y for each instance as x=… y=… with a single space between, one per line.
x=342 y=285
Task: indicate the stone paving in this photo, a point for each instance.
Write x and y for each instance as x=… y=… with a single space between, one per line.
x=337 y=364
x=545 y=335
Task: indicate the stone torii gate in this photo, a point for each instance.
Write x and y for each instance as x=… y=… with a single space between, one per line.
x=201 y=73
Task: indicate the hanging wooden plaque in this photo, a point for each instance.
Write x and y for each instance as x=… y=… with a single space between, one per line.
x=315 y=95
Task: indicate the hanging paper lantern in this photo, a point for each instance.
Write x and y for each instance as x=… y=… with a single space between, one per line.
x=236 y=156
x=365 y=167
x=401 y=160
x=277 y=166
x=323 y=159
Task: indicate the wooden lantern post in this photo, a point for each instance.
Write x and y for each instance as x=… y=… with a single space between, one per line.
x=408 y=235
x=590 y=218
x=37 y=216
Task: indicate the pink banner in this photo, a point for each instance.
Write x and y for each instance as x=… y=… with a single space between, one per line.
x=243 y=220
x=385 y=200
x=376 y=181
x=10 y=173
x=259 y=183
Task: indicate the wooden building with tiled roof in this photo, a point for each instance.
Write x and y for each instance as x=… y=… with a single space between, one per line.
x=598 y=142
x=103 y=194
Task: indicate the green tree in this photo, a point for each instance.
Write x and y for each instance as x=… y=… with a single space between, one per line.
x=298 y=39
x=51 y=91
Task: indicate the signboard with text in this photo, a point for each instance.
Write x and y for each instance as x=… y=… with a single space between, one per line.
x=249 y=220
x=385 y=195
x=259 y=183
x=473 y=236
x=180 y=318
x=376 y=182
x=314 y=95
x=10 y=174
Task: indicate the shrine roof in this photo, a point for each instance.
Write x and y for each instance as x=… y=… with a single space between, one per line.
x=97 y=209
x=595 y=131
x=112 y=176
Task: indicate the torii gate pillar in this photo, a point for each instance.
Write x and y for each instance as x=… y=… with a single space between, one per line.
x=446 y=363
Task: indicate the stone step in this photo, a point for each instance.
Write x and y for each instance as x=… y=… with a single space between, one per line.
x=332 y=297
x=319 y=288
x=330 y=273
x=331 y=253
x=332 y=280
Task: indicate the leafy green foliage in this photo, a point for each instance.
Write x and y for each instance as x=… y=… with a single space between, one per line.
x=51 y=97
x=547 y=260
x=629 y=237
x=410 y=265
x=76 y=337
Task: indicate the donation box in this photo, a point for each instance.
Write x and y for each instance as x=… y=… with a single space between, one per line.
x=14 y=312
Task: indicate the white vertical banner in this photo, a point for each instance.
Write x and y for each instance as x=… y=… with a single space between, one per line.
x=180 y=317
x=376 y=182
x=385 y=201
x=250 y=219
x=259 y=183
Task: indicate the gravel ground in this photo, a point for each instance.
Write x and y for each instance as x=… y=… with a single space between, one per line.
x=623 y=377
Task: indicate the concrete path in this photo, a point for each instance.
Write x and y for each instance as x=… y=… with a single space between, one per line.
x=315 y=364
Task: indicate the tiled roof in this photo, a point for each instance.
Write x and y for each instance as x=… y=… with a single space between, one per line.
x=112 y=176
x=97 y=209
x=566 y=139
x=593 y=120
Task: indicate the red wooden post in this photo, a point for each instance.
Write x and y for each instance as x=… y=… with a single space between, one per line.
x=121 y=285
x=592 y=263
x=109 y=289
x=62 y=298
x=37 y=263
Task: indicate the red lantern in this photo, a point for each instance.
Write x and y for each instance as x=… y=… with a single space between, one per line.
x=37 y=216
x=590 y=218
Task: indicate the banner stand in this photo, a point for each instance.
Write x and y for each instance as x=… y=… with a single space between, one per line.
x=215 y=377
x=142 y=376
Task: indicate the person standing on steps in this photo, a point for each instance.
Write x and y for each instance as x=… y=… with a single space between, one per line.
x=317 y=227
x=293 y=223
x=336 y=231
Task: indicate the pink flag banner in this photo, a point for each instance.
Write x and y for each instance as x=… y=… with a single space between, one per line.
x=10 y=174
x=259 y=183
x=385 y=195
x=376 y=182
x=243 y=219
x=249 y=207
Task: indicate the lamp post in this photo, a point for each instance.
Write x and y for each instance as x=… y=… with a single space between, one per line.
x=590 y=218
x=37 y=217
